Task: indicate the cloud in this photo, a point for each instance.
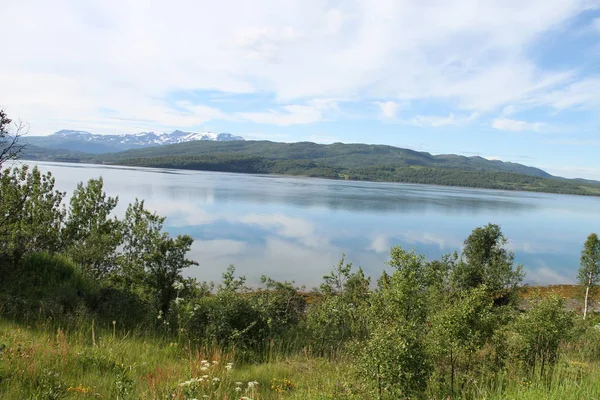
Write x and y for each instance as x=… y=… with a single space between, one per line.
x=380 y=244
x=120 y=66
x=513 y=125
x=435 y=121
x=314 y=111
x=288 y=227
x=389 y=109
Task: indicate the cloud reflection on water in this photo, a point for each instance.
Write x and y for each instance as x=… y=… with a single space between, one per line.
x=297 y=228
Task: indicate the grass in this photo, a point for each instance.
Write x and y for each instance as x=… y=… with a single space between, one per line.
x=47 y=362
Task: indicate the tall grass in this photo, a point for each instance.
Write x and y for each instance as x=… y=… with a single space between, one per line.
x=45 y=361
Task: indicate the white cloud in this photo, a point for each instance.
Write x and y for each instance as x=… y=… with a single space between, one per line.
x=288 y=227
x=314 y=111
x=435 y=121
x=380 y=244
x=389 y=109
x=115 y=65
x=513 y=125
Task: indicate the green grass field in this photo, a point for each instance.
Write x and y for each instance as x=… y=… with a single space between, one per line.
x=47 y=362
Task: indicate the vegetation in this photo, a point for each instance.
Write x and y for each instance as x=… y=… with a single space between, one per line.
x=10 y=147
x=97 y=305
x=337 y=161
x=589 y=272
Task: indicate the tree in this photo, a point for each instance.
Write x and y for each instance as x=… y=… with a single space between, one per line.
x=10 y=148
x=164 y=267
x=141 y=229
x=485 y=261
x=589 y=271
x=31 y=213
x=90 y=235
x=393 y=356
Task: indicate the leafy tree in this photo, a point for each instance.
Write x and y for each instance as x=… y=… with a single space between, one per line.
x=485 y=261
x=91 y=235
x=337 y=315
x=10 y=148
x=539 y=332
x=393 y=356
x=141 y=230
x=589 y=271
x=164 y=265
x=31 y=213
x=461 y=325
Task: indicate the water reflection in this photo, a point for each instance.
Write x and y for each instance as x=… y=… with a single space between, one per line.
x=297 y=229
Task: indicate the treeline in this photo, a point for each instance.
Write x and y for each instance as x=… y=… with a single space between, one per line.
x=241 y=163
x=335 y=161
x=443 y=328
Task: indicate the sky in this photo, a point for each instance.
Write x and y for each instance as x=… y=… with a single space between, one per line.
x=516 y=80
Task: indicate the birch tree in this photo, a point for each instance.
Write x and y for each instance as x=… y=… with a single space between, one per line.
x=589 y=270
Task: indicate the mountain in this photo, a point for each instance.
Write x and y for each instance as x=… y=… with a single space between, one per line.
x=81 y=141
x=336 y=155
x=335 y=161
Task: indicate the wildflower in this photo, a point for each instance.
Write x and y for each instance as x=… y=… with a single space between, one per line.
x=238 y=384
x=229 y=366
x=215 y=362
x=79 y=389
x=238 y=389
x=191 y=381
x=252 y=384
x=203 y=368
x=215 y=379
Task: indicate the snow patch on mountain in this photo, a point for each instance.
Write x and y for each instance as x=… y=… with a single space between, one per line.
x=145 y=139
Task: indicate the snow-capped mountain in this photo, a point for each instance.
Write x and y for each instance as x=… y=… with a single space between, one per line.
x=93 y=143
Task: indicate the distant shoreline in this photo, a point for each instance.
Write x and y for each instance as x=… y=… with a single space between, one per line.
x=307 y=176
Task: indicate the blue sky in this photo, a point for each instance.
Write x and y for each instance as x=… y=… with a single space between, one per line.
x=517 y=80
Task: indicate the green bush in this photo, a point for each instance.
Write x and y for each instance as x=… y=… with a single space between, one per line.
x=44 y=283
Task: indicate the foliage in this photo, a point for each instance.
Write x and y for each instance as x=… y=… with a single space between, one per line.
x=337 y=315
x=589 y=271
x=91 y=236
x=10 y=146
x=429 y=329
x=31 y=214
x=486 y=262
x=538 y=334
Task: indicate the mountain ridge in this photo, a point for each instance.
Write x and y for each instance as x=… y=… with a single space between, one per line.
x=83 y=141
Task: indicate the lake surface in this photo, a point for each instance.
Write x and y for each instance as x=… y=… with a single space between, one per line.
x=298 y=228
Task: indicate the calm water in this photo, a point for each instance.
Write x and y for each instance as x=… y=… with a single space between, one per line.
x=297 y=228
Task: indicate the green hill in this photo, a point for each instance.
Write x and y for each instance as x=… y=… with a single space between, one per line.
x=341 y=161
